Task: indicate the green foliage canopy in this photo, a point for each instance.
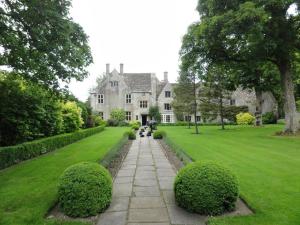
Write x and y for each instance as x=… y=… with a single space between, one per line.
x=40 y=41
x=27 y=111
x=255 y=33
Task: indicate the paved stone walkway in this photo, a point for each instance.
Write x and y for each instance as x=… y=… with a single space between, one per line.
x=142 y=193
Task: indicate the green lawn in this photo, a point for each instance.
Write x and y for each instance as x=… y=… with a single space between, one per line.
x=28 y=190
x=268 y=168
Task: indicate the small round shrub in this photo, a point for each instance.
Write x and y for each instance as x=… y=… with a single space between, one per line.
x=269 y=118
x=158 y=134
x=131 y=135
x=135 y=122
x=245 y=119
x=84 y=189
x=112 y=123
x=206 y=188
x=135 y=127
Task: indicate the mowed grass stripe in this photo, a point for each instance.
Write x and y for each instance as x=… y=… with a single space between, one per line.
x=268 y=168
x=28 y=190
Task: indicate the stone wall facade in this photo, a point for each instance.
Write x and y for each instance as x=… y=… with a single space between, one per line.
x=144 y=90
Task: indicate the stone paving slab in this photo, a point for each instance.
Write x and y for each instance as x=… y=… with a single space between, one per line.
x=146 y=191
x=146 y=202
x=148 y=215
x=118 y=204
x=113 y=218
x=181 y=216
x=123 y=180
x=145 y=182
x=122 y=190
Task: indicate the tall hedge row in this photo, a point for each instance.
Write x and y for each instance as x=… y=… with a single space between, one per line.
x=14 y=154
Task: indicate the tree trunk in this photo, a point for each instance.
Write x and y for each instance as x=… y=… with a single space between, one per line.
x=195 y=105
x=258 y=113
x=196 y=124
x=291 y=121
x=222 y=112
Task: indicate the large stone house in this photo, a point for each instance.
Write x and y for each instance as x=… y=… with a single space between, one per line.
x=137 y=92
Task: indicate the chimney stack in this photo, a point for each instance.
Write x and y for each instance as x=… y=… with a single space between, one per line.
x=166 y=77
x=107 y=69
x=121 y=68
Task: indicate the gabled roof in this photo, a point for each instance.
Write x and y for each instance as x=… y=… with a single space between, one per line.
x=159 y=88
x=138 y=82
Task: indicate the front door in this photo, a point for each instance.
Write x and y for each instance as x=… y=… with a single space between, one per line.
x=144 y=120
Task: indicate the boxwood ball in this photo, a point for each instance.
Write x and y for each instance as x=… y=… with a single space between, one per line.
x=84 y=189
x=206 y=188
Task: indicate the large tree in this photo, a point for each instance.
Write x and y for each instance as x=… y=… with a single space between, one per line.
x=186 y=96
x=260 y=77
x=216 y=91
x=27 y=111
x=40 y=41
x=264 y=30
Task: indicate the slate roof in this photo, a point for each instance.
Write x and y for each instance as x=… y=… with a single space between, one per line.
x=138 y=82
x=160 y=86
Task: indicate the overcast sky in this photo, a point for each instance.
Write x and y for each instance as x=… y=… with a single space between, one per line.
x=144 y=35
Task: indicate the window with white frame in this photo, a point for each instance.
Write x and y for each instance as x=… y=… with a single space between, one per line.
x=136 y=117
x=168 y=94
x=101 y=115
x=198 y=118
x=167 y=118
x=143 y=104
x=101 y=99
x=128 y=116
x=128 y=98
x=168 y=106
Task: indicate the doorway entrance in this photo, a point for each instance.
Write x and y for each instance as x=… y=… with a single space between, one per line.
x=144 y=120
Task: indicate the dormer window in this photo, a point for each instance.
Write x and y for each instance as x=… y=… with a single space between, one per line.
x=101 y=99
x=128 y=99
x=114 y=83
x=168 y=94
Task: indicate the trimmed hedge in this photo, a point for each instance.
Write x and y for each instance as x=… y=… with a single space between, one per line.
x=179 y=124
x=131 y=135
x=84 y=189
x=159 y=134
x=14 y=154
x=206 y=188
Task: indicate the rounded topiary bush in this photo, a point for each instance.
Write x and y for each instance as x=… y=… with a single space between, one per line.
x=206 y=188
x=84 y=189
x=131 y=135
x=158 y=134
x=135 y=127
